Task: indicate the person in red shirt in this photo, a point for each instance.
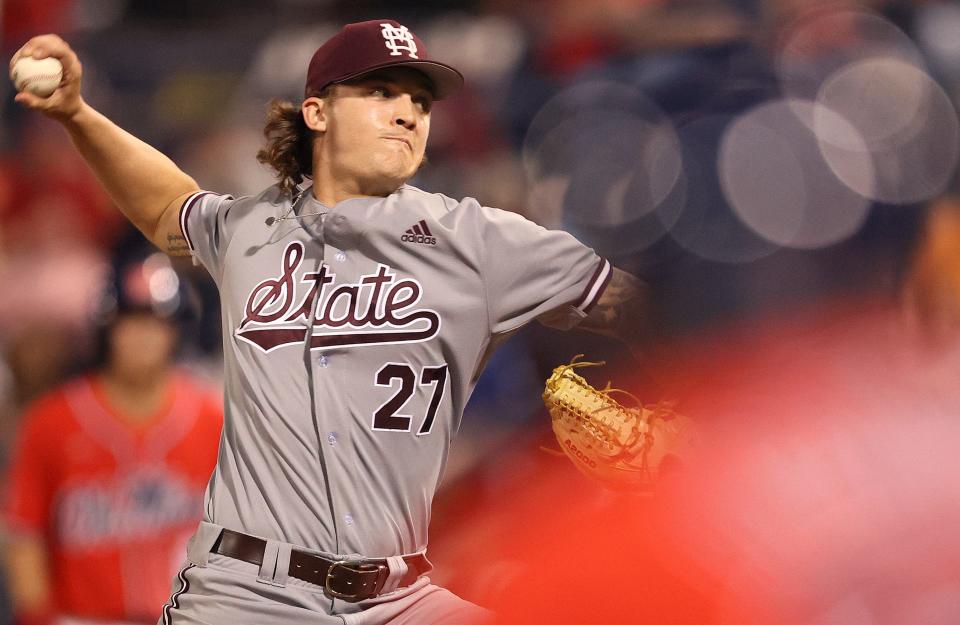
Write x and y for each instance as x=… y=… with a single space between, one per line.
x=107 y=477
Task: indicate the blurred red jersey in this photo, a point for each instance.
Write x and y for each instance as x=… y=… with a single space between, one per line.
x=114 y=498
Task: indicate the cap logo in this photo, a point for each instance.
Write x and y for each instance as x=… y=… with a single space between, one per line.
x=398 y=39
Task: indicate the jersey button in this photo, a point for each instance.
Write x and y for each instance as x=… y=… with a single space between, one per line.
x=332 y=438
x=323 y=361
x=348 y=519
x=340 y=256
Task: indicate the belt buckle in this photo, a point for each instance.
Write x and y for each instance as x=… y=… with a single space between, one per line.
x=354 y=566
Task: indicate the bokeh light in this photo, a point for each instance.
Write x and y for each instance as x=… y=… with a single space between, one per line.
x=776 y=181
x=822 y=41
x=880 y=97
x=618 y=158
x=937 y=29
x=701 y=224
x=908 y=126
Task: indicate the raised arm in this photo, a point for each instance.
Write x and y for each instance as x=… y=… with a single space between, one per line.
x=145 y=185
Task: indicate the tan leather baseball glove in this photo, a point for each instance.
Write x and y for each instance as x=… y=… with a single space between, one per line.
x=624 y=448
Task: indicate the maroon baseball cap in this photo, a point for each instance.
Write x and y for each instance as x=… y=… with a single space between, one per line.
x=367 y=46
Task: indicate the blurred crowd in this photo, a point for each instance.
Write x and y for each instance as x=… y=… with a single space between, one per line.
x=746 y=158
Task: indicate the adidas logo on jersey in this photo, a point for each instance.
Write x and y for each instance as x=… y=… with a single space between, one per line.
x=419 y=233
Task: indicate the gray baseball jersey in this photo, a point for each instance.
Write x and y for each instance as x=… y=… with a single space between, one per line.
x=353 y=337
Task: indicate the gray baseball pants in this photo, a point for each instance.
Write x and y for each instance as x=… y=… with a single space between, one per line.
x=212 y=589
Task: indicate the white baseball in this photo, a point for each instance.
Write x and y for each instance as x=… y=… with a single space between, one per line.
x=38 y=76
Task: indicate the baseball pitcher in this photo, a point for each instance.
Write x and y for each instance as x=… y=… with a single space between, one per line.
x=358 y=312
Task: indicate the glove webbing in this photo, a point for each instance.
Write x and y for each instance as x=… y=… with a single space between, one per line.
x=594 y=422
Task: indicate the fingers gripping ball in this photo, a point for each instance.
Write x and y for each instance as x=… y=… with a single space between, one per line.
x=624 y=448
x=40 y=77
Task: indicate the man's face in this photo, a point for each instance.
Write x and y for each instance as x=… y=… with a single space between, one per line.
x=376 y=129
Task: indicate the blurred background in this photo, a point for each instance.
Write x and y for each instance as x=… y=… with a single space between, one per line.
x=781 y=172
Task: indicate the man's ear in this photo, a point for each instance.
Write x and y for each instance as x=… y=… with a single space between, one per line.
x=315 y=113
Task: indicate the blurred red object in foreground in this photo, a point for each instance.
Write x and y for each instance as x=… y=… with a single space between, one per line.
x=825 y=492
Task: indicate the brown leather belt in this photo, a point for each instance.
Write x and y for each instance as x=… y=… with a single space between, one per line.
x=350 y=580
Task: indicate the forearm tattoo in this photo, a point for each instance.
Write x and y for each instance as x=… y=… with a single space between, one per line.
x=622 y=309
x=177 y=245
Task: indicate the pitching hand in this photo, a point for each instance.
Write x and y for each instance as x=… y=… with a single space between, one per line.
x=65 y=102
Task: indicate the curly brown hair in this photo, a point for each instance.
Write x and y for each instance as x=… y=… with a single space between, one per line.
x=289 y=147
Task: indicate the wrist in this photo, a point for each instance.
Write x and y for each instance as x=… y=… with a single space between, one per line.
x=75 y=117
